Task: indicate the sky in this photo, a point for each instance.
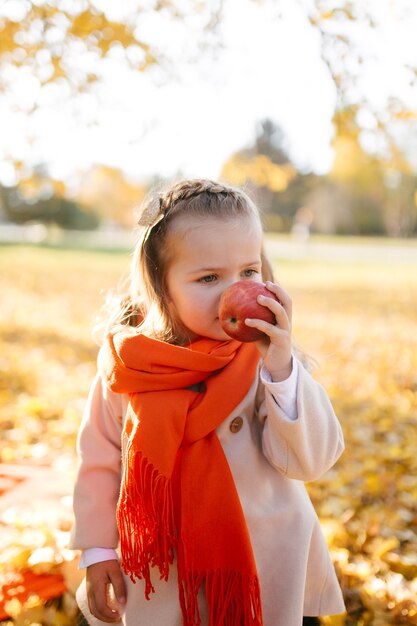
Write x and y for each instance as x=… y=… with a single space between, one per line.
x=192 y=116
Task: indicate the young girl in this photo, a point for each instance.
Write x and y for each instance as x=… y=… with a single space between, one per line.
x=189 y=503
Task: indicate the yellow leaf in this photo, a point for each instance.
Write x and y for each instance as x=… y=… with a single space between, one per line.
x=333 y=620
x=326 y=15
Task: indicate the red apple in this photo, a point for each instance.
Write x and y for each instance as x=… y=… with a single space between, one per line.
x=238 y=302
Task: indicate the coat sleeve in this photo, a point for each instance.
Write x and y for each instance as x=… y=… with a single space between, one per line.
x=304 y=448
x=97 y=483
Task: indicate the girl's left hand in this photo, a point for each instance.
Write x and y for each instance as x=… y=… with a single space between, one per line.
x=276 y=347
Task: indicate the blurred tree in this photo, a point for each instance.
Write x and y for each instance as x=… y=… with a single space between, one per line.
x=266 y=169
x=104 y=195
x=53 y=209
x=108 y=193
x=364 y=193
x=38 y=198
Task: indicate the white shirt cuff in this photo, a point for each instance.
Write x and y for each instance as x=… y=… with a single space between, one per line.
x=285 y=391
x=97 y=555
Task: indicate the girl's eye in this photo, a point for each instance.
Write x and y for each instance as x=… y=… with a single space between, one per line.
x=207 y=279
x=249 y=273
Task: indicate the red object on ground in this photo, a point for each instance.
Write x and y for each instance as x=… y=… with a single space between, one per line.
x=32 y=487
x=22 y=585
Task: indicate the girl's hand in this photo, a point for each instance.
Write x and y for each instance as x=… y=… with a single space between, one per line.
x=99 y=578
x=276 y=347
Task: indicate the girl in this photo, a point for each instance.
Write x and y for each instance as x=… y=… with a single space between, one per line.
x=206 y=509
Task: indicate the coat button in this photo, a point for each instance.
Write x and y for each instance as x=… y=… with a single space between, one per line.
x=236 y=424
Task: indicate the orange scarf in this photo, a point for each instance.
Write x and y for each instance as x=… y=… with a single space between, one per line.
x=177 y=493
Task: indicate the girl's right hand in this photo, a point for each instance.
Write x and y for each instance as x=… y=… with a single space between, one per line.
x=99 y=578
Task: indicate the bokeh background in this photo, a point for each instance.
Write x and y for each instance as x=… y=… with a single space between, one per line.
x=311 y=106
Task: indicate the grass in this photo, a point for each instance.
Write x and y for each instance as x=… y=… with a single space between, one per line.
x=357 y=319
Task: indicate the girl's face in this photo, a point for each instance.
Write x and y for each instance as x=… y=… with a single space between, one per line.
x=208 y=255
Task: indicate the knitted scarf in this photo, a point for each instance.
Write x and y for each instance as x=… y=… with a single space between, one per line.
x=177 y=493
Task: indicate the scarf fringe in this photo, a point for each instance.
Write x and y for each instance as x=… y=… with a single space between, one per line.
x=233 y=599
x=145 y=517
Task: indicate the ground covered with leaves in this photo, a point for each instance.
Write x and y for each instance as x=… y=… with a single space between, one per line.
x=359 y=321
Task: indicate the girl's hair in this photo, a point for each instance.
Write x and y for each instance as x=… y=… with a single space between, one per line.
x=145 y=306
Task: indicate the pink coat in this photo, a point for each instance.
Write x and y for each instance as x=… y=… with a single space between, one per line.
x=270 y=458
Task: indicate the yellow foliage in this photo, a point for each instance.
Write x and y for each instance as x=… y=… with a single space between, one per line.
x=326 y=15
x=102 y=31
x=8 y=30
x=333 y=620
x=406 y=115
x=347 y=158
x=91 y=27
x=59 y=71
x=353 y=166
x=260 y=170
x=110 y=194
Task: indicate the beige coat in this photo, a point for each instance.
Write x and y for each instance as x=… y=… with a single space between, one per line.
x=270 y=457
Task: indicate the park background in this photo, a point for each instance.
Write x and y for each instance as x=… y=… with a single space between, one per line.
x=311 y=105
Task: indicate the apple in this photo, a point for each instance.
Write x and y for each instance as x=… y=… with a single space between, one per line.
x=238 y=302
